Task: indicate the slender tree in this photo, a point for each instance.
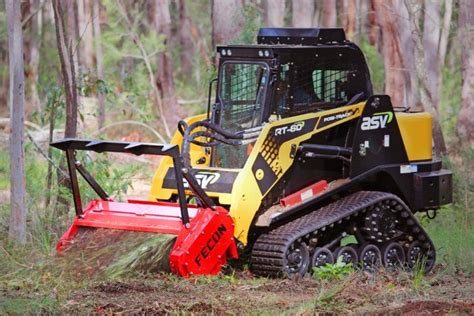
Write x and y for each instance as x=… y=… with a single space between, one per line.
x=146 y=59
x=443 y=42
x=99 y=61
x=185 y=40
x=72 y=29
x=17 y=228
x=227 y=21
x=349 y=17
x=431 y=38
x=84 y=21
x=391 y=51
x=465 y=126
x=303 y=13
x=372 y=17
x=69 y=84
x=428 y=102
x=32 y=51
x=160 y=18
x=329 y=15
x=67 y=70
x=274 y=13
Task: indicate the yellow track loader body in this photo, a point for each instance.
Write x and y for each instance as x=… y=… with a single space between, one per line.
x=245 y=198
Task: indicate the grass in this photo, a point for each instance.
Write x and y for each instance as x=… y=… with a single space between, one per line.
x=4 y=170
x=22 y=306
x=31 y=282
x=453 y=236
x=326 y=299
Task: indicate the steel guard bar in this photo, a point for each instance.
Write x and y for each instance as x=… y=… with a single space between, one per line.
x=70 y=145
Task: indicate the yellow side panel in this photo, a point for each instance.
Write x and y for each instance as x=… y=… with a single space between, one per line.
x=157 y=192
x=416 y=134
x=246 y=195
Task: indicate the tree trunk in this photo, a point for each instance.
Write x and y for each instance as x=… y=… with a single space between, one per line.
x=329 y=18
x=99 y=62
x=36 y=30
x=349 y=18
x=161 y=21
x=86 y=47
x=17 y=228
x=227 y=21
x=303 y=13
x=274 y=13
x=373 y=29
x=72 y=30
x=411 y=95
x=185 y=40
x=393 y=61
x=69 y=83
x=443 y=42
x=414 y=12
x=465 y=126
x=431 y=37
x=67 y=70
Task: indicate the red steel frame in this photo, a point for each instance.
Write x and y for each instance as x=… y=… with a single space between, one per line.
x=204 y=239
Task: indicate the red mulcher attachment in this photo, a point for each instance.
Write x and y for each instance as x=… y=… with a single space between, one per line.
x=204 y=234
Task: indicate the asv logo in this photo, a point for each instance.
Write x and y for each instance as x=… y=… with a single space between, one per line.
x=376 y=121
x=295 y=127
x=204 y=179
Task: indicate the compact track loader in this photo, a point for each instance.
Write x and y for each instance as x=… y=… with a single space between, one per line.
x=294 y=155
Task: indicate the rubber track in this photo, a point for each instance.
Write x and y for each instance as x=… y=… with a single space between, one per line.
x=268 y=253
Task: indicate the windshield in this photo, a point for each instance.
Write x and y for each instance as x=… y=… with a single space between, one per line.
x=242 y=91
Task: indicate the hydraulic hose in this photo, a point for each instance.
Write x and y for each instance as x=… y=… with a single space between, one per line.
x=215 y=133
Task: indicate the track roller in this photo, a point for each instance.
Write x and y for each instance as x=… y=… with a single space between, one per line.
x=370 y=257
x=393 y=255
x=321 y=257
x=348 y=254
x=297 y=259
x=307 y=241
x=418 y=253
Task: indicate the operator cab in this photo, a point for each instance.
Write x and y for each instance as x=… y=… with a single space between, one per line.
x=290 y=71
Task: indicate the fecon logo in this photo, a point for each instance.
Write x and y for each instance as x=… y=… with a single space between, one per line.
x=376 y=121
x=295 y=127
x=204 y=179
x=210 y=244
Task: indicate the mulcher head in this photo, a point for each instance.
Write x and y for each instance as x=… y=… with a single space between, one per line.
x=204 y=235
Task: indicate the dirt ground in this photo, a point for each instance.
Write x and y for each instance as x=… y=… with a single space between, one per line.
x=241 y=293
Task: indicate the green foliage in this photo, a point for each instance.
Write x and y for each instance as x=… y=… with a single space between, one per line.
x=326 y=299
x=450 y=101
x=116 y=179
x=453 y=235
x=4 y=170
x=418 y=274
x=375 y=64
x=336 y=271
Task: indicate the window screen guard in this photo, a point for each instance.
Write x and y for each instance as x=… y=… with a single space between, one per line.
x=242 y=93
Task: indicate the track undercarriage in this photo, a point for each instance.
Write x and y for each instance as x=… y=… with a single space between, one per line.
x=386 y=231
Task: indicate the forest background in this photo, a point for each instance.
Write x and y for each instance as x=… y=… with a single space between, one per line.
x=129 y=70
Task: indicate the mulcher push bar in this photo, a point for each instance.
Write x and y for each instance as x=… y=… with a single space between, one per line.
x=70 y=145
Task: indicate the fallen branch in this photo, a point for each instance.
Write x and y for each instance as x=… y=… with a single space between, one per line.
x=183 y=102
x=6 y=121
x=38 y=148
